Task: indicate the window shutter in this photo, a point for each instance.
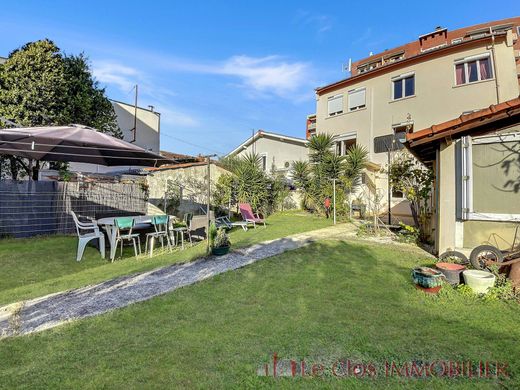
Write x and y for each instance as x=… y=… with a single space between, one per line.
x=335 y=104
x=356 y=99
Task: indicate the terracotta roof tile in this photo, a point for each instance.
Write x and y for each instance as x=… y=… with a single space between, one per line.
x=463 y=121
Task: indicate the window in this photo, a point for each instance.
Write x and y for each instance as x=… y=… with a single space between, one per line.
x=263 y=162
x=456 y=40
x=335 y=105
x=356 y=99
x=403 y=86
x=473 y=69
x=343 y=143
x=477 y=35
x=487 y=178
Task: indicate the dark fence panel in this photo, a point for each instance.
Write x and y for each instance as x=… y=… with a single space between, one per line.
x=30 y=208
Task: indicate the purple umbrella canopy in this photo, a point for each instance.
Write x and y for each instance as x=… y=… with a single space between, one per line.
x=75 y=143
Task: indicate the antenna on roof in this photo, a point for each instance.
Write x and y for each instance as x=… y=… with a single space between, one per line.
x=348 y=66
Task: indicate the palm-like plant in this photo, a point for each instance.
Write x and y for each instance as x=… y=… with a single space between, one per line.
x=333 y=166
x=355 y=161
x=301 y=174
x=314 y=180
x=320 y=146
x=252 y=159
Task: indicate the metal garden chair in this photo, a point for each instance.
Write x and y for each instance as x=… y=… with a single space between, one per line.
x=160 y=224
x=124 y=226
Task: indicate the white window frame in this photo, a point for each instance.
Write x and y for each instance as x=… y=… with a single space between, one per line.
x=468 y=212
x=351 y=92
x=401 y=78
x=465 y=61
x=331 y=98
x=343 y=137
x=262 y=156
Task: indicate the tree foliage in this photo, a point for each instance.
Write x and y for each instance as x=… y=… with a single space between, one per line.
x=314 y=178
x=249 y=183
x=415 y=181
x=40 y=86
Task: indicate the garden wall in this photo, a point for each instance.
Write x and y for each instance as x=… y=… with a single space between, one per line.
x=29 y=208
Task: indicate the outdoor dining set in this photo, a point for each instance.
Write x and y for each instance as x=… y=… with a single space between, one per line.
x=166 y=229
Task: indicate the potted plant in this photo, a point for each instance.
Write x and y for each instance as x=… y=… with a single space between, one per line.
x=221 y=243
x=427 y=279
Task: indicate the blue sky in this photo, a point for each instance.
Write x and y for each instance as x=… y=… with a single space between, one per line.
x=218 y=69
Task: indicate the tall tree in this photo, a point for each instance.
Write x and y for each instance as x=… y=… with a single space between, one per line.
x=86 y=101
x=39 y=86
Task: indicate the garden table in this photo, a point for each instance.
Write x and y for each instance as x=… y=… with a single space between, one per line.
x=109 y=225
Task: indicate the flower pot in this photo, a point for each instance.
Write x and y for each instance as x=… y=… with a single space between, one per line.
x=220 y=251
x=432 y=290
x=427 y=277
x=479 y=281
x=452 y=272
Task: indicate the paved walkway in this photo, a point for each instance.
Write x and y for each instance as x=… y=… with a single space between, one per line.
x=55 y=309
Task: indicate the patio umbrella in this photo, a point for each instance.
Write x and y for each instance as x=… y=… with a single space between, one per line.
x=75 y=143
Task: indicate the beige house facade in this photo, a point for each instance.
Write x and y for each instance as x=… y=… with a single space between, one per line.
x=276 y=151
x=377 y=107
x=147 y=125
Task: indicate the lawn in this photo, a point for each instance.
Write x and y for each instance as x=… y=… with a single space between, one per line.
x=41 y=265
x=331 y=300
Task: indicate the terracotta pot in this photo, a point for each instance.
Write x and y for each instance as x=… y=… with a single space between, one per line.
x=451 y=271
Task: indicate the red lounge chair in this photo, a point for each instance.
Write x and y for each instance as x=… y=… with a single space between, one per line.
x=249 y=216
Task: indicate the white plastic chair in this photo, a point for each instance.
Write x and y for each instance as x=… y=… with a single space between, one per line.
x=87 y=231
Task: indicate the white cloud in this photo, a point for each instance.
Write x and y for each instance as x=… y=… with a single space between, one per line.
x=176 y=118
x=124 y=77
x=261 y=75
x=321 y=23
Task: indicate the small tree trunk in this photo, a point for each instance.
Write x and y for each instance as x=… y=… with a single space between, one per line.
x=13 y=167
x=35 y=171
x=415 y=213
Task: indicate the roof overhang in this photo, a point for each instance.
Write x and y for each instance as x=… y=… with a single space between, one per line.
x=260 y=134
x=424 y=143
x=406 y=61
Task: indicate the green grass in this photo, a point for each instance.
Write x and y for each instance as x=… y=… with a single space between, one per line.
x=42 y=265
x=328 y=301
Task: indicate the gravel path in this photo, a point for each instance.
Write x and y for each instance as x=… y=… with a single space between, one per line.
x=55 y=309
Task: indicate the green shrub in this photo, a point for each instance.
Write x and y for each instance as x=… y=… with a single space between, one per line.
x=221 y=239
x=407 y=233
x=212 y=234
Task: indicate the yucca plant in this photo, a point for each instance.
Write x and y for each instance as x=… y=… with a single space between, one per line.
x=320 y=146
x=314 y=179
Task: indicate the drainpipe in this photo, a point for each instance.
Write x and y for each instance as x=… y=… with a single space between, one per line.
x=495 y=67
